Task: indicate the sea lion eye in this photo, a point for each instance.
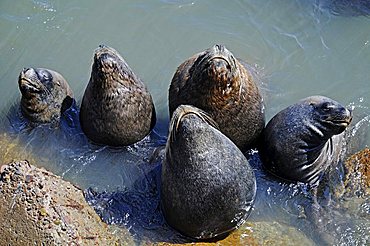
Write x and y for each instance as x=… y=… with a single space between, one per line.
x=327 y=106
x=45 y=75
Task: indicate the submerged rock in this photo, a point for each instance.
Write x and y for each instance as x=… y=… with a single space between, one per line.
x=11 y=149
x=37 y=207
x=260 y=233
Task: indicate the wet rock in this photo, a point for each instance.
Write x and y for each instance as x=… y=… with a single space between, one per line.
x=37 y=207
x=357 y=174
x=259 y=233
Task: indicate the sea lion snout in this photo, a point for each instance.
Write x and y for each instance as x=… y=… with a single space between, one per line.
x=218 y=66
x=27 y=81
x=337 y=114
x=344 y=119
x=219 y=48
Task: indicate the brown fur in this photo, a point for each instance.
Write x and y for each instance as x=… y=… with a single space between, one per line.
x=117 y=109
x=45 y=95
x=227 y=93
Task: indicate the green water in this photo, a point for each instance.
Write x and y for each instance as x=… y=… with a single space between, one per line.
x=300 y=48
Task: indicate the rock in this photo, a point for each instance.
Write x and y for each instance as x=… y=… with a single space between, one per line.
x=37 y=207
x=357 y=173
x=260 y=233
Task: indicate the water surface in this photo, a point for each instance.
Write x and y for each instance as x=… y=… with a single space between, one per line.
x=299 y=48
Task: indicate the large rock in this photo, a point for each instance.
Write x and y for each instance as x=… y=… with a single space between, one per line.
x=37 y=207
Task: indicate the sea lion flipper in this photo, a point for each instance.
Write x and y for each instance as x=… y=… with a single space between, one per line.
x=154 y=117
x=66 y=104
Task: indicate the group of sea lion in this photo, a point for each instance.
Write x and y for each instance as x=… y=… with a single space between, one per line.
x=217 y=112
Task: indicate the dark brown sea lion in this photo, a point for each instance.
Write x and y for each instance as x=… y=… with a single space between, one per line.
x=45 y=95
x=208 y=187
x=117 y=109
x=223 y=86
x=301 y=141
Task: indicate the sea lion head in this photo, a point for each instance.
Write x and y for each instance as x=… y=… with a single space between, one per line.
x=109 y=67
x=330 y=116
x=45 y=94
x=187 y=118
x=218 y=70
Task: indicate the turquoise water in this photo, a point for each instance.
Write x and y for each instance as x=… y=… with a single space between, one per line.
x=300 y=48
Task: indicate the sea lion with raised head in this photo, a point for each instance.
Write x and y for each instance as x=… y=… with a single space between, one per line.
x=224 y=87
x=45 y=95
x=207 y=187
x=301 y=141
x=116 y=109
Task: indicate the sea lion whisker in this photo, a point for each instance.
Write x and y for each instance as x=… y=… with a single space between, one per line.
x=240 y=90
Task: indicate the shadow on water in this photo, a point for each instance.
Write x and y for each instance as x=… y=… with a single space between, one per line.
x=345 y=7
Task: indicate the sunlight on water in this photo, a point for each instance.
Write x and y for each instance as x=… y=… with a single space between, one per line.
x=299 y=48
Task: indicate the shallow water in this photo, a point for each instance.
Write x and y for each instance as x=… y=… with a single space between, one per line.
x=300 y=48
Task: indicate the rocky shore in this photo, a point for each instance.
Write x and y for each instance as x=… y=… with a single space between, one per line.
x=38 y=207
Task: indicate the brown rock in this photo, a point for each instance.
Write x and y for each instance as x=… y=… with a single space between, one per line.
x=357 y=172
x=55 y=211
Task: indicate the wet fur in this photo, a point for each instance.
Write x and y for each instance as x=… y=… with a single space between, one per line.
x=44 y=101
x=230 y=96
x=301 y=141
x=116 y=109
x=208 y=186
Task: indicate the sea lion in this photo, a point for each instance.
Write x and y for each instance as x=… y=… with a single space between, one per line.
x=45 y=95
x=116 y=109
x=301 y=141
x=223 y=86
x=207 y=185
